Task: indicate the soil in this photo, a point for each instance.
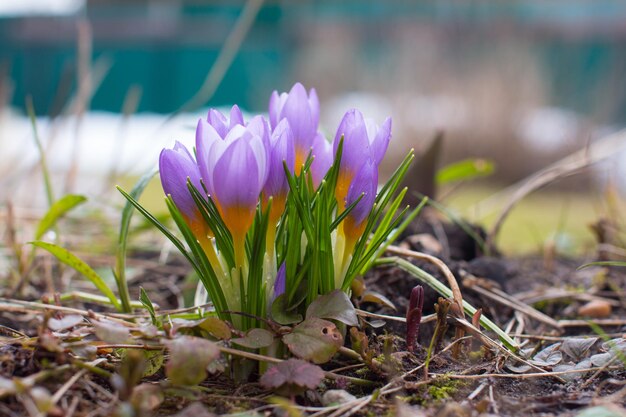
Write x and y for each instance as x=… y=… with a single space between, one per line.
x=476 y=381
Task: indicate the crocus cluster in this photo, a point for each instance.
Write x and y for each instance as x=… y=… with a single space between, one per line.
x=240 y=165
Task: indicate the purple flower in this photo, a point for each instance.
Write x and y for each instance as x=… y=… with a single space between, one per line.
x=322 y=158
x=235 y=170
x=302 y=111
x=175 y=166
x=364 y=183
x=363 y=140
x=280 y=149
x=210 y=139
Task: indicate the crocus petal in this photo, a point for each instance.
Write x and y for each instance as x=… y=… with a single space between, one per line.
x=219 y=122
x=281 y=149
x=365 y=182
x=236 y=117
x=302 y=111
x=280 y=283
x=236 y=174
x=259 y=127
x=379 y=140
x=208 y=141
x=175 y=166
x=298 y=112
x=356 y=146
x=277 y=102
x=314 y=107
x=322 y=158
x=355 y=151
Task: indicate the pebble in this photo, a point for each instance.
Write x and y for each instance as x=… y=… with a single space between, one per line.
x=337 y=396
x=597 y=309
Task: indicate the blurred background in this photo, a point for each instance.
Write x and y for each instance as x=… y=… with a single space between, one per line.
x=521 y=83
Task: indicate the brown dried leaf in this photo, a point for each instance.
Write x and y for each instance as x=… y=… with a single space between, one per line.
x=292 y=376
x=64 y=323
x=377 y=298
x=111 y=332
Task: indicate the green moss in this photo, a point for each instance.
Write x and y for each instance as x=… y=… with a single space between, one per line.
x=438 y=390
x=444 y=389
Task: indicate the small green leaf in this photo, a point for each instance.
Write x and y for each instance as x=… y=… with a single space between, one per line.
x=315 y=340
x=218 y=328
x=145 y=301
x=58 y=210
x=603 y=263
x=68 y=258
x=120 y=257
x=154 y=362
x=189 y=358
x=335 y=306
x=255 y=339
x=464 y=170
x=281 y=314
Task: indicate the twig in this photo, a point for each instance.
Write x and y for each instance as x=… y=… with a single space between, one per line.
x=559 y=338
x=598 y=372
x=61 y=391
x=524 y=376
x=20 y=306
x=513 y=303
x=586 y=323
x=553 y=294
x=486 y=340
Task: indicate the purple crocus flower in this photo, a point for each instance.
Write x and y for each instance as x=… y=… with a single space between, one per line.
x=235 y=170
x=302 y=111
x=210 y=139
x=322 y=158
x=175 y=166
x=363 y=140
x=281 y=150
x=364 y=183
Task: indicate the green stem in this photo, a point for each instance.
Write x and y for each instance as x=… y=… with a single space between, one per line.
x=438 y=286
x=270 y=241
x=239 y=245
x=209 y=250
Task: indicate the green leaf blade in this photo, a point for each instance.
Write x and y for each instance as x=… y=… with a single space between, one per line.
x=464 y=170
x=56 y=211
x=68 y=258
